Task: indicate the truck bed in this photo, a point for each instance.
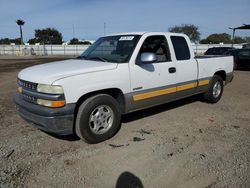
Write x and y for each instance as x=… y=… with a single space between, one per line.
x=209 y=56
x=208 y=65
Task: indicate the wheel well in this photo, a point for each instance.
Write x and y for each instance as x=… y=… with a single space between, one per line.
x=222 y=74
x=114 y=92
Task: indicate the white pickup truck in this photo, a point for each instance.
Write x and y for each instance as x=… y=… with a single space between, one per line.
x=116 y=75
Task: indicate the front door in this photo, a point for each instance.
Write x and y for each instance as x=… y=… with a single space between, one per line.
x=152 y=83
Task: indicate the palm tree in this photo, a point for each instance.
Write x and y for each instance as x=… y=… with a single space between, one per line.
x=20 y=23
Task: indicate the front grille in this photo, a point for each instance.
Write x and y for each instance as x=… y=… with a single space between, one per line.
x=29 y=98
x=27 y=85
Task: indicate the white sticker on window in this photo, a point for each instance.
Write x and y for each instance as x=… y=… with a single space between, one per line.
x=127 y=38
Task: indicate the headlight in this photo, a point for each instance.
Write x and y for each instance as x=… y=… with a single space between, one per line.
x=49 y=89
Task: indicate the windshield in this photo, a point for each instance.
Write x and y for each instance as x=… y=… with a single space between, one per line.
x=116 y=49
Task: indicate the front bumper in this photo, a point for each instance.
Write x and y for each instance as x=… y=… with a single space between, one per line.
x=53 y=120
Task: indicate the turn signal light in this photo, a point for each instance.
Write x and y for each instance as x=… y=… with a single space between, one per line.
x=20 y=89
x=48 y=103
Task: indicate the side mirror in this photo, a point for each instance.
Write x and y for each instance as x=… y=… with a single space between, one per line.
x=146 y=58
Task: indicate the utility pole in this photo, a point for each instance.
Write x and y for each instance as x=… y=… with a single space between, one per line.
x=20 y=23
x=73 y=28
x=21 y=34
x=104 y=28
x=233 y=36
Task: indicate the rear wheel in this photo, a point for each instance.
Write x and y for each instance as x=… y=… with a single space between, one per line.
x=215 y=91
x=98 y=118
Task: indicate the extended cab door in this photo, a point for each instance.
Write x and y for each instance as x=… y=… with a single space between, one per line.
x=153 y=83
x=186 y=66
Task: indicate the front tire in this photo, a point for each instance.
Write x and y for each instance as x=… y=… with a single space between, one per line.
x=98 y=118
x=215 y=91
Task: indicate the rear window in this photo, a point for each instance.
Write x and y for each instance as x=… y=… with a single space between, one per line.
x=181 y=48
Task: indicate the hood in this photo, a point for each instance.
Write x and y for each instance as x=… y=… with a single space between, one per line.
x=50 y=72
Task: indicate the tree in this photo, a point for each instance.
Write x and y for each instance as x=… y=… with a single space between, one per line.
x=217 y=38
x=247 y=39
x=47 y=36
x=9 y=41
x=190 y=30
x=32 y=41
x=20 y=23
x=204 y=41
x=86 y=42
x=76 y=41
x=238 y=40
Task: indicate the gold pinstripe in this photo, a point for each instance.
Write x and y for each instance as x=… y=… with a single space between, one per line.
x=187 y=86
x=203 y=82
x=160 y=92
x=154 y=93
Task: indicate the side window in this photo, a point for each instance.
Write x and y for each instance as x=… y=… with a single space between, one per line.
x=181 y=48
x=244 y=54
x=157 y=45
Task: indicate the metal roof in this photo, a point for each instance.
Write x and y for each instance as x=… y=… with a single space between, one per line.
x=244 y=26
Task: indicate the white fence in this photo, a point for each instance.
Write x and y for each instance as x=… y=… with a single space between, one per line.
x=75 y=50
x=42 y=50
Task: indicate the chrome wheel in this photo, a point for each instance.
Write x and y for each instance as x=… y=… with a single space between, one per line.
x=217 y=89
x=101 y=119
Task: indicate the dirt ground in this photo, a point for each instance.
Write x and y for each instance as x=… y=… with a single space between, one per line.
x=186 y=143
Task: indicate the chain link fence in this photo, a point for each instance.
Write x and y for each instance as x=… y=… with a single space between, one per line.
x=75 y=50
x=42 y=50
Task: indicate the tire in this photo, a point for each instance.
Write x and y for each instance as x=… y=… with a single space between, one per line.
x=215 y=91
x=98 y=118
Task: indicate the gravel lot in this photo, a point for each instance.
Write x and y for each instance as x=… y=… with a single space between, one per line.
x=186 y=143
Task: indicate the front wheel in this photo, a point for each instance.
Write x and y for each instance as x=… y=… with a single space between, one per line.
x=98 y=118
x=215 y=91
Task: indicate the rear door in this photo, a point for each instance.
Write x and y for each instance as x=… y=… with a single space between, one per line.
x=186 y=66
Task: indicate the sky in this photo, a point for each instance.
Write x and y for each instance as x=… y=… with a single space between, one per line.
x=84 y=19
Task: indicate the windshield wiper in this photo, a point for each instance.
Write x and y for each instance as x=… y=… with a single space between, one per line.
x=81 y=57
x=92 y=58
x=96 y=57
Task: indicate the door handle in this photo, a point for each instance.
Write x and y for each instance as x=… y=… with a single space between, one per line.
x=172 y=70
